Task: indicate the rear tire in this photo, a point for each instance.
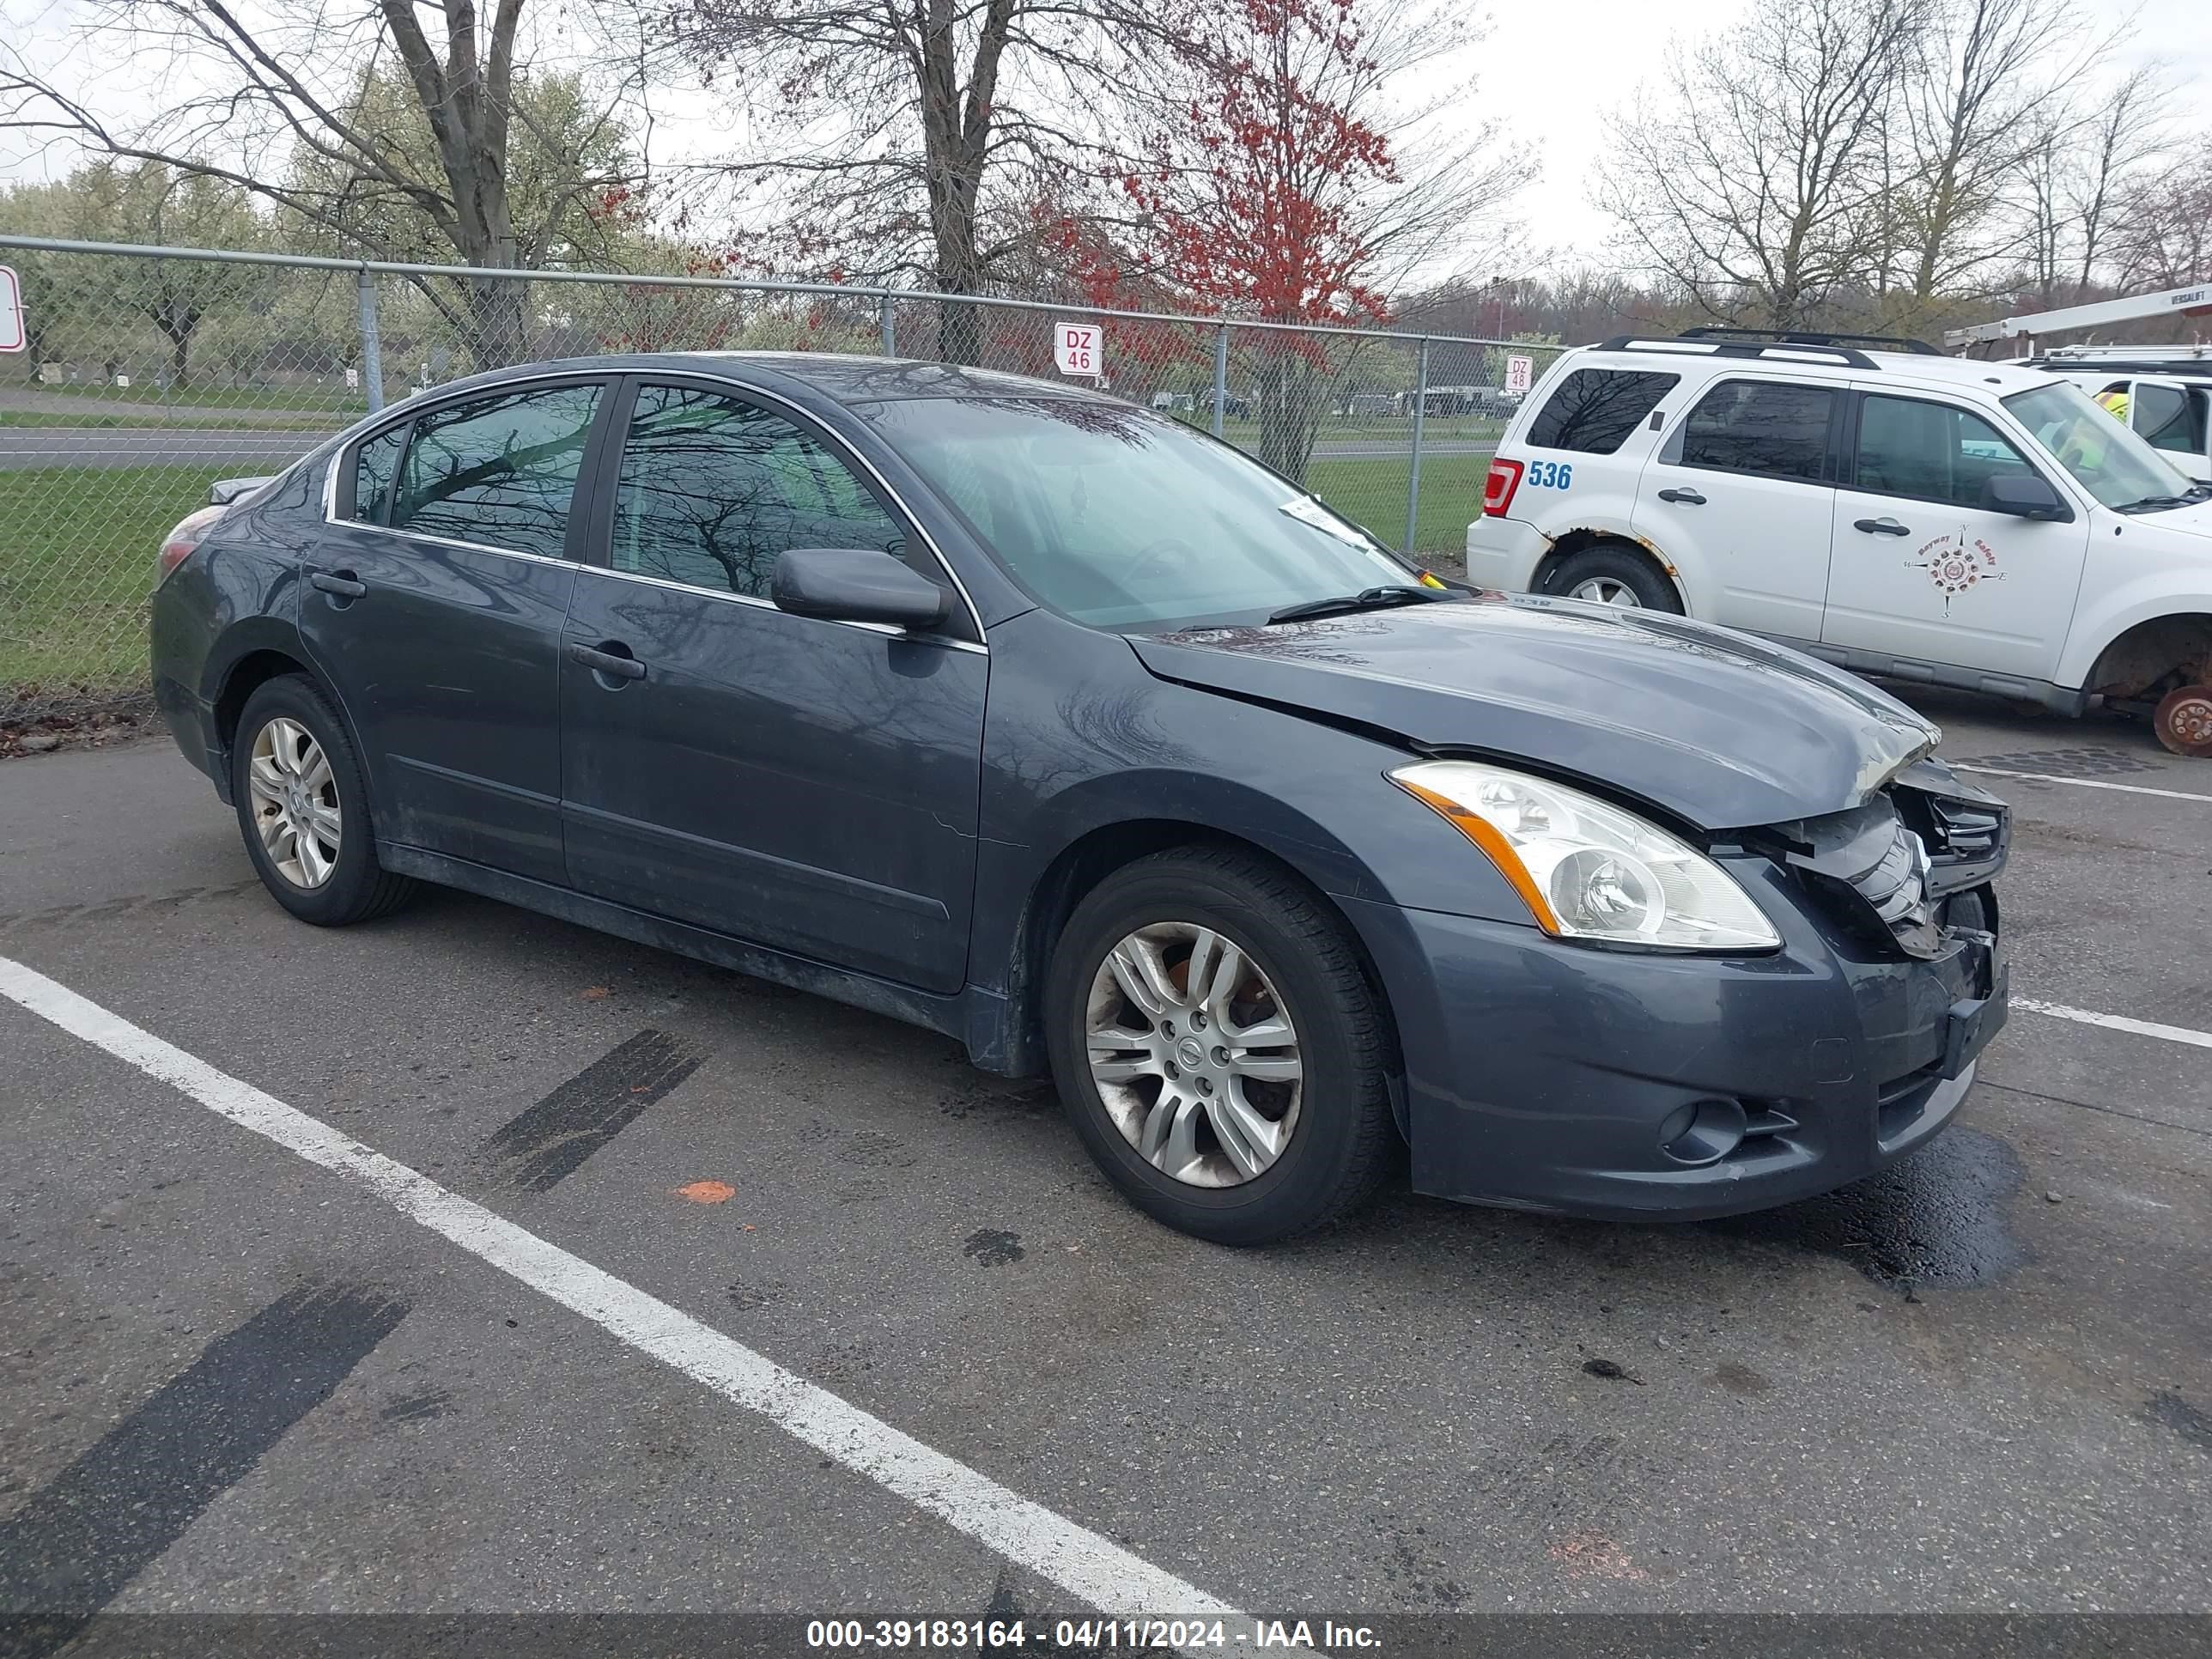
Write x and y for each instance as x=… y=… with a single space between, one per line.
x=302 y=806
x=1251 y=1167
x=1609 y=573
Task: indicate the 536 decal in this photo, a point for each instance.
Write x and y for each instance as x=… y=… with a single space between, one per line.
x=1551 y=474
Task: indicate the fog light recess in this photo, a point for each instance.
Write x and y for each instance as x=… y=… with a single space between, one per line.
x=1703 y=1131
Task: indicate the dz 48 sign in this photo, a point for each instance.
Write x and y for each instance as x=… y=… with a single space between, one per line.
x=1076 y=348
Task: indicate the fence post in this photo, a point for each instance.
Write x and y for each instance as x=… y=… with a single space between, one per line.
x=887 y=325
x=1414 y=479
x=1220 y=375
x=372 y=342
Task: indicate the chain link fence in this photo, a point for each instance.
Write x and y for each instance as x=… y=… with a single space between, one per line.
x=148 y=374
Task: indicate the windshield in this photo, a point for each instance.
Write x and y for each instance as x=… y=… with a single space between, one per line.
x=2106 y=460
x=1119 y=519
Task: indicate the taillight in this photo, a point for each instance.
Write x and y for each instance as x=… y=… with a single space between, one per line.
x=1497 y=488
x=176 y=546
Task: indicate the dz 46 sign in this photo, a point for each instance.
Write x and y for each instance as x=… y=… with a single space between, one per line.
x=1076 y=349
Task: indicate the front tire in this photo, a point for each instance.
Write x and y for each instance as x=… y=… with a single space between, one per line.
x=1217 y=1043
x=302 y=806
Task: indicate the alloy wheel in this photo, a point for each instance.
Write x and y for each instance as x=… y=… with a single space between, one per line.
x=295 y=802
x=1606 y=590
x=1195 y=1054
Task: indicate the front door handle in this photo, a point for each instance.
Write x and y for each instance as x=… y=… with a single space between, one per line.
x=1686 y=497
x=339 y=584
x=1881 y=526
x=612 y=665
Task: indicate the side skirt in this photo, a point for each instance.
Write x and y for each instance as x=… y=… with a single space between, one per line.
x=976 y=1017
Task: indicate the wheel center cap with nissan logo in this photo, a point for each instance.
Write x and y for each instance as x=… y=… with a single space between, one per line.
x=1192 y=1052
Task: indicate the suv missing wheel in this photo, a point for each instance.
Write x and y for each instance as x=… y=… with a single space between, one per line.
x=1871 y=503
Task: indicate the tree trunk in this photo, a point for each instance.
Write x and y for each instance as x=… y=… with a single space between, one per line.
x=497 y=308
x=1286 y=397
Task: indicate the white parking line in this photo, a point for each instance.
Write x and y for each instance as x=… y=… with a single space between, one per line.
x=2081 y=783
x=2117 y=1021
x=1105 y=1576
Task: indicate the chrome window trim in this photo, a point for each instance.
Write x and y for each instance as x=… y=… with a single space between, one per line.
x=344 y=456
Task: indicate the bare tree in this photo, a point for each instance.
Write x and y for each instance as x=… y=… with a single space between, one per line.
x=2074 y=177
x=290 y=76
x=1987 y=79
x=2161 y=224
x=1752 y=178
x=909 y=133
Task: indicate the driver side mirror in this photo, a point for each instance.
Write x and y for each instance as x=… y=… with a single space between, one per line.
x=856 y=584
x=2024 y=495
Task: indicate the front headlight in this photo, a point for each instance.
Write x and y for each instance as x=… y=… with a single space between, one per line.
x=1587 y=870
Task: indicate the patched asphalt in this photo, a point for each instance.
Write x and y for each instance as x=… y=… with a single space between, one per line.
x=1980 y=1380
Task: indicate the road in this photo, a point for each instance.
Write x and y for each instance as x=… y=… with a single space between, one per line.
x=24 y=447
x=237 y=1380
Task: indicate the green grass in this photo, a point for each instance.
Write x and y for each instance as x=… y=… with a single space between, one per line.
x=77 y=546
x=336 y=400
x=76 y=562
x=1373 y=492
x=264 y=421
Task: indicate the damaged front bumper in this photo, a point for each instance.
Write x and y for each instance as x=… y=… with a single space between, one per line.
x=1543 y=1074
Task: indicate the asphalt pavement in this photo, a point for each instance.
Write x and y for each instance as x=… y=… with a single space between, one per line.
x=239 y=1380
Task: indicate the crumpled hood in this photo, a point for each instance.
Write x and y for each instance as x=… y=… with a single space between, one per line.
x=1722 y=729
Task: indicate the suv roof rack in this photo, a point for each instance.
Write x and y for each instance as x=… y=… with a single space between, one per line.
x=1847 y=356
x=1812 y=338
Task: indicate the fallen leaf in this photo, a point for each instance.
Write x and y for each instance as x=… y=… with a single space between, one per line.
x=596 y=993
x=708 y=1192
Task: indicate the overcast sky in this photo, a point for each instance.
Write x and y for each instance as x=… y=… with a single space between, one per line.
x=1553 y=71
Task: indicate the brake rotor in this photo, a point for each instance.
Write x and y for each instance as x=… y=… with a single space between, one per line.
x=2183 y=721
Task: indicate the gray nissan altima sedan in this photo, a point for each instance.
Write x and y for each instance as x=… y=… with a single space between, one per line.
x=1049 y=723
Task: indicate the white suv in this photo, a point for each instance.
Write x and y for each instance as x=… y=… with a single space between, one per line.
x=1894 y=511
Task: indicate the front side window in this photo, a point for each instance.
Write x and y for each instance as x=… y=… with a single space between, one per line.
x=1595 y=409
x=376 y=463
x=499 y=472
x=1765 y=427
x=1930 y=451
x=714 y=490
x=2105 y=457
x=1121 y=519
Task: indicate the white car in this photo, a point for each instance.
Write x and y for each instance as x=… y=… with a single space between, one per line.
x=1871 y=503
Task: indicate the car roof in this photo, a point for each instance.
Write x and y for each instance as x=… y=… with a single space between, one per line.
x=838 y=378
x=1923 y=370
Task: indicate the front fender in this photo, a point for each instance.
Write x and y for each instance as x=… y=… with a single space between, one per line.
x=2104 y=617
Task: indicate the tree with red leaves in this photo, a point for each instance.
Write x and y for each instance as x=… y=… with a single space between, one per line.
x=1285 y=178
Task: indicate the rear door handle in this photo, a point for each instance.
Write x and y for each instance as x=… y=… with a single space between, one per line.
x=1686 y=497
x=340 y=583
x=618 y=665
x=1881 y=526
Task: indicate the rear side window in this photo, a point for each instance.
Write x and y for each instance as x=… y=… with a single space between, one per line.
x=1593 y=410
x=499 y=472
x=713 y=489
x=1765 y=427
x=376 y=463
x=1930 y=451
